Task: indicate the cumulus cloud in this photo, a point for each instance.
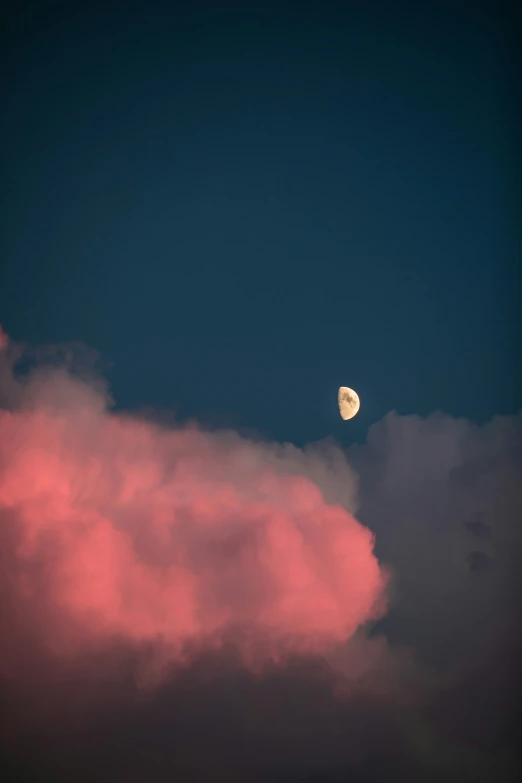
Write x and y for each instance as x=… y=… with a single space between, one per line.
x=284 y=636
x=444 y=499
x=174 y=535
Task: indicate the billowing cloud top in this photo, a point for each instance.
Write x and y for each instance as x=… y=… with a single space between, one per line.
x=129 y=529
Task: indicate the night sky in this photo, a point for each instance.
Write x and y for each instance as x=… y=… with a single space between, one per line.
x=241 y=207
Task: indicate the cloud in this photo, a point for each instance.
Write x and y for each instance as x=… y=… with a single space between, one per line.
x=174 y=536
x=233 y=577
x=443 y=497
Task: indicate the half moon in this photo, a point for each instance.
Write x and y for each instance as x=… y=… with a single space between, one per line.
x=349 y=402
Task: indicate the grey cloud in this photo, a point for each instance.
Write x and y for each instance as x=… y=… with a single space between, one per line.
x=429 y=489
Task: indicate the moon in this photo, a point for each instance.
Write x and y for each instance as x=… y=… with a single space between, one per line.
x=349 y=402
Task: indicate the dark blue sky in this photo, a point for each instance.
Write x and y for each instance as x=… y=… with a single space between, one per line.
x=243 y=209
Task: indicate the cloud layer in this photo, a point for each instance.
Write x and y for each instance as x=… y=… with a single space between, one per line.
x=284 y=637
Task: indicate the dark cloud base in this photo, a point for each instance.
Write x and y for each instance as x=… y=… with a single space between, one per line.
x=218 y=724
